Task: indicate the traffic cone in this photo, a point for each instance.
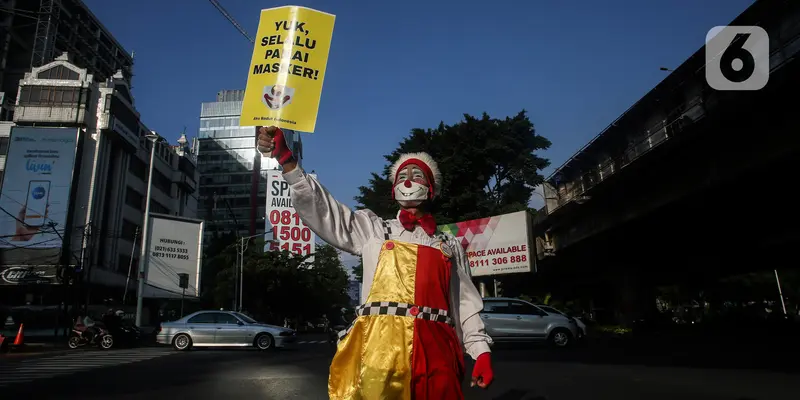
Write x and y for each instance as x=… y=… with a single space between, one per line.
x=20 y=339
x=3 y=344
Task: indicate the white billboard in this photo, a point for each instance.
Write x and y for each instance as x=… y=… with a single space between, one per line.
x=174 y=247
x=285 y=230
x=35 y=194
x=495 y=245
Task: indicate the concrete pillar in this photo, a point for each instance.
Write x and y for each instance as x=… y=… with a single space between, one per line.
x=634 y=298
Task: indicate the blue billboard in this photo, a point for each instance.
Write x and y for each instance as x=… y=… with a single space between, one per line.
x=34 y=198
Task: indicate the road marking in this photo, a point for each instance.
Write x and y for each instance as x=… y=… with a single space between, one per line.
x=312 y=341
x=32 y=369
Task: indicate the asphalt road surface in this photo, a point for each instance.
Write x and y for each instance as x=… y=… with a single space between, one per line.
x=523 y=372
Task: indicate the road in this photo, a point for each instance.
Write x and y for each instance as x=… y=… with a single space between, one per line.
x=526 y=372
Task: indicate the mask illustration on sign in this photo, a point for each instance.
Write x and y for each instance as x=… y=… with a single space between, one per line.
x=277 y=96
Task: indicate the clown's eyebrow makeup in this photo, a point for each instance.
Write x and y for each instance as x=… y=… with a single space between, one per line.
x=416 y=173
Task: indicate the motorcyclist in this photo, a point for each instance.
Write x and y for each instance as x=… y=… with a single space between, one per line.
x=326 y=323
x=91 y=329
x=342 y=321
x=113 y=319
x=339 y=323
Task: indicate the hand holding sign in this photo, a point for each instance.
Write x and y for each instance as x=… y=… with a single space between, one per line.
x=272 y=143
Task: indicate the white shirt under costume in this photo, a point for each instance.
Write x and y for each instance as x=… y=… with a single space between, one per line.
x=361 y=233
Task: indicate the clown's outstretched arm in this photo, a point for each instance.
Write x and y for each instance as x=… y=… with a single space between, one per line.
x=466 y=295
x=333 y=222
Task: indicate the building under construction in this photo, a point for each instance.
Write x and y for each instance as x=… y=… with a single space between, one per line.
x=34 y=32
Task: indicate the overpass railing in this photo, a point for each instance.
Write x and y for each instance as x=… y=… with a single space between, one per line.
x=692 y=111
x=689 y=113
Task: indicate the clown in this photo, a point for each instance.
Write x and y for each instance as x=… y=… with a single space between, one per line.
x=420 y=308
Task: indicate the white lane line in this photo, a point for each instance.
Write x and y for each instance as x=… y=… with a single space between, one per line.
x=40 y=368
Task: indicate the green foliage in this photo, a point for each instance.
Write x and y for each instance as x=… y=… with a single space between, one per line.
x=279 y=284
x=489 y=167
x=219 y=255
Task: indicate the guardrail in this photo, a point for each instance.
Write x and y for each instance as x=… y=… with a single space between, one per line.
x=660 y=133
x=654 y=137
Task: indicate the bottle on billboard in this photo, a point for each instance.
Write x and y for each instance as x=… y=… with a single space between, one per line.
x=36 y=204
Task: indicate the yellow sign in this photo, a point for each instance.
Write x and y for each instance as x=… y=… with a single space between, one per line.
x=284 y=84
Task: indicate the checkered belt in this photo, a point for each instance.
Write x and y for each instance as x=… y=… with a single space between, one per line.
x=401 y=310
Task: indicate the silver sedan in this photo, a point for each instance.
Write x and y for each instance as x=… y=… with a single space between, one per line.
x=223 y=329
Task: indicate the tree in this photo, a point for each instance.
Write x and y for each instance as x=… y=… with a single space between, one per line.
x=279 y=284
x=489 y=167
x=220 y=254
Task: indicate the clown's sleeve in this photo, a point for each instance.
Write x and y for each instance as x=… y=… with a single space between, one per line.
x=464 y=293
x=333 y=222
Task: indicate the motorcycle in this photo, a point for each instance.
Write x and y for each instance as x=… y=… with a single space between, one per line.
x=333 y=334
x=122 y=332
x=79 y=338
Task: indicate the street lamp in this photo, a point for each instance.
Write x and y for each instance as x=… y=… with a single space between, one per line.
x=236 y=232
x=240 y=252
x=145 y=234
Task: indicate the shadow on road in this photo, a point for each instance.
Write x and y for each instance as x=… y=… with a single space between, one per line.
x=186 y=373
x=661 y=352
x=517 y=394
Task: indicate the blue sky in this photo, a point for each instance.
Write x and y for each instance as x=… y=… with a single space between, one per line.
x=397 y=65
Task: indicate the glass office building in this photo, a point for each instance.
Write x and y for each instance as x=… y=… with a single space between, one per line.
x=232 y=189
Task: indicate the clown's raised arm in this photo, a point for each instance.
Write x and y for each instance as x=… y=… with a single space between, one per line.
x=332 y=221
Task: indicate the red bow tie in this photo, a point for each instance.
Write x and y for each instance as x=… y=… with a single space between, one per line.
x=427 y=222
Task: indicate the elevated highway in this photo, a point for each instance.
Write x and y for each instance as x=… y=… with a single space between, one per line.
x=689 y=182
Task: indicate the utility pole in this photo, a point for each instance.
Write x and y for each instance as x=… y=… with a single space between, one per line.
x=780 y=291
x=130 y=266
x=183 y=282
x=236 y=277
x=241 y=275
x=145 y=238
x=86 y=252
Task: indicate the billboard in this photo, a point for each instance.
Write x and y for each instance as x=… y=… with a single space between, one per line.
x=495 y=245
x=34 y=198
x=285 y=230
x=175 y=246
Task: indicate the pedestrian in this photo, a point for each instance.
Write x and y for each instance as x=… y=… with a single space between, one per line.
x=421 y=306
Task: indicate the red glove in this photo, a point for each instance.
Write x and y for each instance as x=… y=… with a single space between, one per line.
x=482 y=374
x=271 y=140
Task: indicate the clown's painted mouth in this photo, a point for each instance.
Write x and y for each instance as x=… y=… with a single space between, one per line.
x=409 y=194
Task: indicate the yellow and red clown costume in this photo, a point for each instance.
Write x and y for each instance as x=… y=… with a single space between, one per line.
x=419 y=309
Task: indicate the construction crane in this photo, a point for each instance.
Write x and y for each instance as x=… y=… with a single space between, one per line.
x=230 y=19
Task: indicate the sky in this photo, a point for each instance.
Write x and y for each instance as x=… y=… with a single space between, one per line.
x=397 y=65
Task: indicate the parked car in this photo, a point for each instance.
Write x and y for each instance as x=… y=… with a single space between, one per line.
x=223 y=329
x=517 y=320
x=578 y=321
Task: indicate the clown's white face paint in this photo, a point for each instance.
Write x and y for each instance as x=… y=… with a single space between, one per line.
x=411 y=187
